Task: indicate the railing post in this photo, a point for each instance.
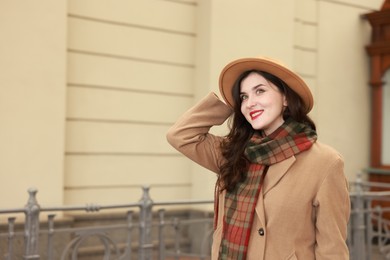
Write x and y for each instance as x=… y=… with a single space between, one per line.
x=161 y=241
x=11 y=235
x=127 y=254
x=176 y=225
x=359 y=228
x=145 y=220
x=31 y=228
x=50 y=221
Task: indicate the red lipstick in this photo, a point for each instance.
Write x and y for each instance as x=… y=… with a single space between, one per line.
x=255 y=114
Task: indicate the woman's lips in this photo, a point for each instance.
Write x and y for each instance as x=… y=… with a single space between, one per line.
x=255 y=114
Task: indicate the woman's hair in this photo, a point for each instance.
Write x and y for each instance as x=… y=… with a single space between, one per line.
x=234 y=169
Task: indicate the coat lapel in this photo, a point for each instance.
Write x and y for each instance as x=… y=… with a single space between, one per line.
x=276 y=172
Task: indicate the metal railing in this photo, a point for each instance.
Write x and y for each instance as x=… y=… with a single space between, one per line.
x=145 y=233
x=112 y=248
x=369 y=228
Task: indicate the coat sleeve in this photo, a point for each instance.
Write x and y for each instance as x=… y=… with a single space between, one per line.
x=190 y=134
x=332 y=214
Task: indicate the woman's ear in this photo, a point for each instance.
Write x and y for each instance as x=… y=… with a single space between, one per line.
x=285 y=103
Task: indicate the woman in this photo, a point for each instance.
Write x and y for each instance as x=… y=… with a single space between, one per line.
x=280 y=193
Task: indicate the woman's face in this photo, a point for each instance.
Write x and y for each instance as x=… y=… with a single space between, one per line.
x=262 y=103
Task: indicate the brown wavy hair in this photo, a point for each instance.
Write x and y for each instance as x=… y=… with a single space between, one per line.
x=235 y=167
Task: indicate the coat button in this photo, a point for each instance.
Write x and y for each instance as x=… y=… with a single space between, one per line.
x=261 y=231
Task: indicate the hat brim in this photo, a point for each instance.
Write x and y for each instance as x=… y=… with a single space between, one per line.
x=235 y=68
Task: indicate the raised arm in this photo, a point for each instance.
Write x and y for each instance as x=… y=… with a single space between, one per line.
x=190 y=134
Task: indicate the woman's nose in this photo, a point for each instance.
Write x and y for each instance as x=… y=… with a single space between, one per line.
x=250 y=102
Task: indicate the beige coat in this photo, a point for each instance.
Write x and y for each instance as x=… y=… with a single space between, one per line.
x=304 y=207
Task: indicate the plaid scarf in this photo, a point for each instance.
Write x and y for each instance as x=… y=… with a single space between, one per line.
x=289 y=139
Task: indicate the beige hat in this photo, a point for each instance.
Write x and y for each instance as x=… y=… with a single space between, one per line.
x=235 y=68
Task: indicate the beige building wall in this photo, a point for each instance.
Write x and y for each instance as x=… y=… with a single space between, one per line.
x=330 y=55
x=130 y=74
x=343 y=95
x=32 y=100
x=94 y=130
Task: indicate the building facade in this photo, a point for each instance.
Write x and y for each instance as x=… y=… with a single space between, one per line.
x=89 y=88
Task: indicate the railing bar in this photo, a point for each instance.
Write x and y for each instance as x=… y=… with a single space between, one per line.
x=195 y=221
x=369 y=210
x=369 y=194
x=174 y=203
x=100 y=207
x=97 y=228
x=97 y=207
x=372 y=184
x=17 y=210
x=191 y=221
x=170 y=253
x=16 y=234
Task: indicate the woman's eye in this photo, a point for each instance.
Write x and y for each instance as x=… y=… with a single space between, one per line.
x=243 y=97
x=259 y=91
